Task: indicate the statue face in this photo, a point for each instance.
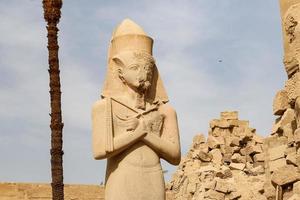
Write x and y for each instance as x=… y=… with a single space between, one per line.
x=138 y=75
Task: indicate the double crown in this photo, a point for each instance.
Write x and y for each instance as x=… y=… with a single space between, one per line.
x=129 y=36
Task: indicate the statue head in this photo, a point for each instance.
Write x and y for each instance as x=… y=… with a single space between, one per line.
x=135 y=69
x=291 y=34
x=131 y=64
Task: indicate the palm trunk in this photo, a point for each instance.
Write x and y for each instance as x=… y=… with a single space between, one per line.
x=52 y=16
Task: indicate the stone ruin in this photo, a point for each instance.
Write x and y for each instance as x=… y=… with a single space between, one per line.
x=229 y=164
x=234 y=162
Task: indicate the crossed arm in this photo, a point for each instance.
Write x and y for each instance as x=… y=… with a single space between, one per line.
x=167 y=146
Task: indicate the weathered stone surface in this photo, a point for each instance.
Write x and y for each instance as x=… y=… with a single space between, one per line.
x=198 y=140
x=280 y=103
x=291 y=158
x=238 y=166
x=277 y=152
x=285 y=175
x=259 y=157
x=227 y=115
x=214 y=142
x=258 y=139
x=296 y=188
x=275 y=164
x=238 y=158
x=222 y=186
x=212 y=194
x=216 y=156
x=206 y=157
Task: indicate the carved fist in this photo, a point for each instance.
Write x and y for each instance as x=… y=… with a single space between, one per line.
x=155 y=124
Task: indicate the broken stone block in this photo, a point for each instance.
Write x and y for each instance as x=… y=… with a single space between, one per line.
x=216 y=156
x=276 y=164
x=221 y=123
x=226 y=149
x=280 y=102
x=214 y=142
x=285 y=175
x=291 y=158
x=229 y=115
x=234 y=195
x=198 y=140
x=258 y=139
x=235 y=141
x=261 y=163
x=212 y=194
x=296 y=187
x=222 y=186
x=259 y=157
x=257 y=170
x=238 y=158
x=206 y=157
x=257 y=148
x=237 y=166
x=227 y=158
x=224 y=173
x=277 y=152
x=210 y=185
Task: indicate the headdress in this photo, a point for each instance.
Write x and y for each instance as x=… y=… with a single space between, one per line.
x=129 y=36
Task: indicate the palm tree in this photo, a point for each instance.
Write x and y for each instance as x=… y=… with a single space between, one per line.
x=52 y=15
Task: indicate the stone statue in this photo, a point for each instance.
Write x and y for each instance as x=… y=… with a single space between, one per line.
x=133 y=124
x=291 y=37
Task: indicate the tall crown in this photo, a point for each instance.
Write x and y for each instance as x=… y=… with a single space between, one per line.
x=129 y=36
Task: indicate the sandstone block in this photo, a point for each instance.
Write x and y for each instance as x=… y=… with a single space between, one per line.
x=212 y=194
x=210 y=185
x=206 y=157
x=234 y=195
x=198 y=140
x=237 y=166
x=238 y=158
x=280 y=102
x=258 y=139
x=276 y=164
x=277 y=152
x=259 y=157
x=296 y=188
x=229 y=115
x=291 y=158
x=222 y=186
x=216 y=156
x=214 y=142
x=285 y=175
x=257 y=148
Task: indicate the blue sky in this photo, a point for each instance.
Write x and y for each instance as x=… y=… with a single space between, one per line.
x=190 y=38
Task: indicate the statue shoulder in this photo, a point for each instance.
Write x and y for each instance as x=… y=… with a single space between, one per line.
x=99 y=105
x=167 y=109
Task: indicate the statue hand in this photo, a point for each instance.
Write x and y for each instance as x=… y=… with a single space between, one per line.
x=155 y=125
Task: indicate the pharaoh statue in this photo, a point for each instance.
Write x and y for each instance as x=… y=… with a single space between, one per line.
x=133 y=124
x=290 y=11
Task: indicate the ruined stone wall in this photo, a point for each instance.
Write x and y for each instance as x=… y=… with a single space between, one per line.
x=229 y=164
x=34 y=191
x=30 y=191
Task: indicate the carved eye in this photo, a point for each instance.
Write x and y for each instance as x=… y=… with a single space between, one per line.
x=134 y=67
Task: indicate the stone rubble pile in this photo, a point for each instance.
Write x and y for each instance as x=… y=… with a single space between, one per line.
x=224 y=166
x=282 y=150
